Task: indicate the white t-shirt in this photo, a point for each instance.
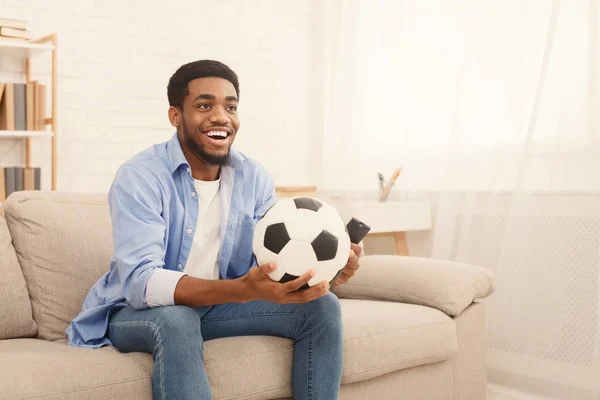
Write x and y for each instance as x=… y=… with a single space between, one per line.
x=203 y=260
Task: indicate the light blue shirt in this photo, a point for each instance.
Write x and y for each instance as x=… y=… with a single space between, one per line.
x=154 y=212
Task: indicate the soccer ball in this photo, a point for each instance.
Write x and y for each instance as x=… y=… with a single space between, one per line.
x=300 y=234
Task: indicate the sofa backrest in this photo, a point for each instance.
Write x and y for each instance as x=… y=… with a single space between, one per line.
x=15 y=308
x=63 y=242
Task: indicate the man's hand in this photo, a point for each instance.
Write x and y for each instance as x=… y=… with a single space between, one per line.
x=258 y=286
x=352 y=265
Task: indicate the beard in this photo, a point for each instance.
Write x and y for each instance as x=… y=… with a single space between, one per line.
x=196 y=147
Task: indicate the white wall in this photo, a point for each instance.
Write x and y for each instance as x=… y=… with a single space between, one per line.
x=115 y=59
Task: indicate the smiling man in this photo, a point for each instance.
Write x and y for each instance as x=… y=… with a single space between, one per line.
x=182 y=272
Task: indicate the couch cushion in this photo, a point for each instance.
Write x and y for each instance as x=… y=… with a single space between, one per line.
x=34 y=368
x=15 y=307
x=448 y=286
x=64 y=244
x=381 y=337
x=378 y=338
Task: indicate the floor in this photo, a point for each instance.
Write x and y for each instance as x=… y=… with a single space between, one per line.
x=496 y=392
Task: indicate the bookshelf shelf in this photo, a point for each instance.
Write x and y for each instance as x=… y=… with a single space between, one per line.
x=27 y=51
x=15 y=48
x=25 y=134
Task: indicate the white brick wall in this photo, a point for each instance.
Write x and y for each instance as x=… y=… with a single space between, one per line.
x=115 y=59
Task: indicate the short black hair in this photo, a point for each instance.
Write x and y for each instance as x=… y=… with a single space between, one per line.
x=178 y=84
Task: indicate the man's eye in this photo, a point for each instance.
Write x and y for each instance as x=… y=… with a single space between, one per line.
x=203 y=106
x=232 y=108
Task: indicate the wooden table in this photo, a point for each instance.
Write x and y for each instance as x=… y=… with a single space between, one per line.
x=394 y=218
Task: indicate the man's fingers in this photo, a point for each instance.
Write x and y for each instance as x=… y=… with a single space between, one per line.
x=343 y=278
x=310 y=294
x=352 y=264
x=267 y=268
x=356 y=249
x=352 y=257
x=299 y=282
x=349 y=272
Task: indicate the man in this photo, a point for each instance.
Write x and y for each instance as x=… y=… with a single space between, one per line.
x=183 y=215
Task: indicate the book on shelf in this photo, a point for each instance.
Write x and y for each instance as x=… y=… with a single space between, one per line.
x=14 y=179
x=39 y=106
x=31 y=178
x=7 y=108
x=14 y=33
x=30 y=116
x=5 y=39
x=13 y=23
x=13 y=30
x=22 y=106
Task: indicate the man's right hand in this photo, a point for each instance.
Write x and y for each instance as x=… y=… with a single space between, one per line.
x=258 y=286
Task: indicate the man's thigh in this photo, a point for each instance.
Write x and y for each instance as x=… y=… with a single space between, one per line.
x=266 y=318
x=140 y=330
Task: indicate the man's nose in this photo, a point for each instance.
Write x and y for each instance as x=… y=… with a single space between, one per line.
x=219 y=116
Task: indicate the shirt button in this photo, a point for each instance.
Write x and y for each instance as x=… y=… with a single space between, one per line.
x=180 y=267
x=188 y=170
x=193 y=194
x=189 y=230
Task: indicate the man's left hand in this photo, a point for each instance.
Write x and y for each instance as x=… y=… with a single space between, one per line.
x=351 y=266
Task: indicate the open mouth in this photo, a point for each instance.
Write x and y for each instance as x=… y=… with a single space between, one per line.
x=217 y=135
x=218 y=138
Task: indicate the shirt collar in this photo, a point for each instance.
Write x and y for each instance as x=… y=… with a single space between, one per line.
x=177 y=158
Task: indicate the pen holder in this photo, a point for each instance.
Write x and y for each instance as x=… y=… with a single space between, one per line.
x=384 y=191
x=386 y=186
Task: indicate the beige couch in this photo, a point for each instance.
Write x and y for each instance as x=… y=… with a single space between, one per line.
x=413 y=327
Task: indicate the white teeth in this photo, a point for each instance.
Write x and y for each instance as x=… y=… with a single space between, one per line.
x=217 y=134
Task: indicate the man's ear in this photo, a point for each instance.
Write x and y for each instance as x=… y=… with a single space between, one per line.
x=174 y=116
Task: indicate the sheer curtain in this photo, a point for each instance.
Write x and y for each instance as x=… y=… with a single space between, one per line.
x=491 y=109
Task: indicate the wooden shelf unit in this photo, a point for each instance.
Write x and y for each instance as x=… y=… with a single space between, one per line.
x=27 y=50
x=25 y=134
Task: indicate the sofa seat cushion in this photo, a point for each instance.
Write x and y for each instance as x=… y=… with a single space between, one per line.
x=382 y=337
x=379 y=338
x=35 y=368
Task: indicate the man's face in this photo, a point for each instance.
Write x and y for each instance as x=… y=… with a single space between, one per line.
x=209 y=120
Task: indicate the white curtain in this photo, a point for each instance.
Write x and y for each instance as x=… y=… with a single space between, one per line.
x=491 y=109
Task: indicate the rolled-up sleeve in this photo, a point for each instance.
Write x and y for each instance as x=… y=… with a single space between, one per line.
x=160 y=290
x=138 y=232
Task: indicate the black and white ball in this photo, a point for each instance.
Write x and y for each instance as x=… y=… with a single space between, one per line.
x=300 y=234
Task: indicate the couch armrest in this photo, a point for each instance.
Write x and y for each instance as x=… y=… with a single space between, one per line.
x=446 y=285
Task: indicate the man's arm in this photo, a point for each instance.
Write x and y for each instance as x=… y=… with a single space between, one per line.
x=255 y=285
x=138 y=232
x=195 y=292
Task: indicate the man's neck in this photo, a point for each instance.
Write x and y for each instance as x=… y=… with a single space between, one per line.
x=205 y=172
x=201 y=170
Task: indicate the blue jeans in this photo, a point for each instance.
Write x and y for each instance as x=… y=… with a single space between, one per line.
x=175 y=336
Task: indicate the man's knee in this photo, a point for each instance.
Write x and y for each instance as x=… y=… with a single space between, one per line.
x=177 y=322
x=327 y=310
